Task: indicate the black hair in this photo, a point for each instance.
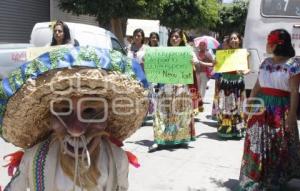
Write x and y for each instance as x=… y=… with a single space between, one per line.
x=239 y=37
x=139 y=30
x=285 y=49
x=153 y=34
x=66 y=30
x=181 y=34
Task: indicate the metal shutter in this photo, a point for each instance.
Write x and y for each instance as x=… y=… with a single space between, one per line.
x=58 y=14
x=17 y=18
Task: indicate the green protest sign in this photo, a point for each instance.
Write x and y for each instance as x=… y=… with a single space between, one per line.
x=169 y=65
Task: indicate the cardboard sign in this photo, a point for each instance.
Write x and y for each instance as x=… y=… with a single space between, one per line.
x=35 y=52
x=169 y=65
x=148 y=26
x=231 y=60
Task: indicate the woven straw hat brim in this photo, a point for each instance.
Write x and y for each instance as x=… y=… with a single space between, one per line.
x=27 y=117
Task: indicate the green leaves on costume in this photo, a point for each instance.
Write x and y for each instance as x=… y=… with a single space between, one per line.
x=57 y=54
x=88 y=54
x=15 y=79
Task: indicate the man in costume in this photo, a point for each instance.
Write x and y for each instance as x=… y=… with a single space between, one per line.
x=70 y=109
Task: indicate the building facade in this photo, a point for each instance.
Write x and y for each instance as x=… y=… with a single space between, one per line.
x=17 y=18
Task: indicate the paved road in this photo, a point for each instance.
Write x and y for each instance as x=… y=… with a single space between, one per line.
x=208 y=164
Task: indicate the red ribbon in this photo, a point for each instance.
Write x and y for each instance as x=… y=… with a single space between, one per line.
x=274 y=38
x=132 y=159
x=14 y=161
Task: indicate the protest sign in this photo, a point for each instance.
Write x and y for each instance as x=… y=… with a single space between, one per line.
x=231 y=60
x=34 y=52
x=169 y=65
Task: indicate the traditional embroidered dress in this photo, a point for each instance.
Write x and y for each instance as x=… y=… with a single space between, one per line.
x=173 y=119
x=174 y=110
x=196 y=97
x=231 y=94
x=271 y=153
x=40 y=169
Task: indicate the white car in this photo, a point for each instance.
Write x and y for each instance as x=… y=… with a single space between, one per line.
x=86 y=35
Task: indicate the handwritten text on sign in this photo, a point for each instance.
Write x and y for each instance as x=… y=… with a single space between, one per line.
x=169 y=65
x=231 y=60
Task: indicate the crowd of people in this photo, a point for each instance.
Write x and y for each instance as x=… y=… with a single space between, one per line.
x=65 y=130
x=272 y=150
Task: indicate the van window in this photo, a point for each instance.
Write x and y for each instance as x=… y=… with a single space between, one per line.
x=117 y=46
x=280 y=8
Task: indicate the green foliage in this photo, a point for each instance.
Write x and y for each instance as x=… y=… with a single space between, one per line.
x=232 y=17
x=190 y=13
x=172 y=13
x=104 y=10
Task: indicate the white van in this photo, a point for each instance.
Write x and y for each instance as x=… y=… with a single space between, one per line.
x=86 y=35
x=263 y=17
x=13 y=55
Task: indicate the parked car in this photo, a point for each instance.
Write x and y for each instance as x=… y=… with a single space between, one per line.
x=86 y=35
x=13 y=55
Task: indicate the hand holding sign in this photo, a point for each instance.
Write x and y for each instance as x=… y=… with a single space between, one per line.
x=231 y=60
x=169 y=65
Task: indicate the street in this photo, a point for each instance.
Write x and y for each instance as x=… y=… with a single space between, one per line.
x=208 y=164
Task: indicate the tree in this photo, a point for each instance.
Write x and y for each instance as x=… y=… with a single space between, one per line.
x=232 y=17
x=172 y=13
x=190 y=14
x=105 y=10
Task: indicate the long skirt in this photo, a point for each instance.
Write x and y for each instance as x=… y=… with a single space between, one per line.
x=196 y=95
x=271 y=153
x=231 y=95
x=173 y=121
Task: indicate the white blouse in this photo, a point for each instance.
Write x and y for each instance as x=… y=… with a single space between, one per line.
x=277 y=75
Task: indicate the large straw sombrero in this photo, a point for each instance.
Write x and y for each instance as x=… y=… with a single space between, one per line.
x=26 y=94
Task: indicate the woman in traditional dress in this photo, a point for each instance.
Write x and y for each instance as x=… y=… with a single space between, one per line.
x=271 y=151
x=230 y=96
x=173 y=121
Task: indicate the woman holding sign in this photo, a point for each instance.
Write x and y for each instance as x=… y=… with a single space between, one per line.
x=271 y=151
x=173 y=121
x=230 y=96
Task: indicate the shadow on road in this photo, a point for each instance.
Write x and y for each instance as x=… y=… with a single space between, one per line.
x=231 y=184
x=209 y=123
x=172 y=148
x=215 y=136
x=212 y=135
x=146 y=143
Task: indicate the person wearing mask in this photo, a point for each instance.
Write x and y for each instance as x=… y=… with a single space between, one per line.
x=271 y=150
x=65 y=120
x=173 y=128
x=230 y=98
